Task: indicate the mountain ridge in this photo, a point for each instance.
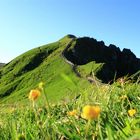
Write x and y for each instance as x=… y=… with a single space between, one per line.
x=52 y=63
x=120 y=62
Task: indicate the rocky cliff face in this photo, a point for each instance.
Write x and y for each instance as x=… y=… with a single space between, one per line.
x=116 y=62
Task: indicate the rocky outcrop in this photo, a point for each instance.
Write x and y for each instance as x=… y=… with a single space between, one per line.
x=116 y=62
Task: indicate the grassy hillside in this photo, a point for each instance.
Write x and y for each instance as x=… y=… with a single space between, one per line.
x=45 y=64
x=105 y=112
x=72 y=103
x=80 y=59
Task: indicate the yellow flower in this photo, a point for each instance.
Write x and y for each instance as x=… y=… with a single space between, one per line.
x=131 y=112
x=91 y=112
x=72 y=113
x=34 y=94
x=40 y=85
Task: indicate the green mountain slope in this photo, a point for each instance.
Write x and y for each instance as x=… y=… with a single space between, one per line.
x=44 y=63
x=65 y=67
x=78 y=104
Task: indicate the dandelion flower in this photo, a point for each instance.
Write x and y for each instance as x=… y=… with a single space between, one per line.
x=131 y=112
x=72 y=113
x=90 y=112
x=34 y=94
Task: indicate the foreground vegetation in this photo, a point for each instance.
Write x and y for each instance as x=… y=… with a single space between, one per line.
x=107 y=112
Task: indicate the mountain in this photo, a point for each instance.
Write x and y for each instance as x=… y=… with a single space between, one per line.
x=64 y=66
x=115 y=62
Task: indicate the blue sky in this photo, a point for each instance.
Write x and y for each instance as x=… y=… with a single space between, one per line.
x=25 y=24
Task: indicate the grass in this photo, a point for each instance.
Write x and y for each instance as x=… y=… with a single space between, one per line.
x=57 y=113
x=35 y=123
x=44 y=63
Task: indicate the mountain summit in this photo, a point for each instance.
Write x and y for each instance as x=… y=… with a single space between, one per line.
x=71 y=59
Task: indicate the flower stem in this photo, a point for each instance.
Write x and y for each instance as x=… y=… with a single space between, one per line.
x=49 y=108
x=87 y=128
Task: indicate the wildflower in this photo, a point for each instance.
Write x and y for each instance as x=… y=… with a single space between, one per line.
x=91 y=112
x=72 y=113
x=34 y=94
x=40 y=85
x=131 y=112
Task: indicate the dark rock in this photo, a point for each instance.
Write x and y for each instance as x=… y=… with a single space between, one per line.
x=116 y=62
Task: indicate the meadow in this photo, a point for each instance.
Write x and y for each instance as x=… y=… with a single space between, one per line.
x=110 y=112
